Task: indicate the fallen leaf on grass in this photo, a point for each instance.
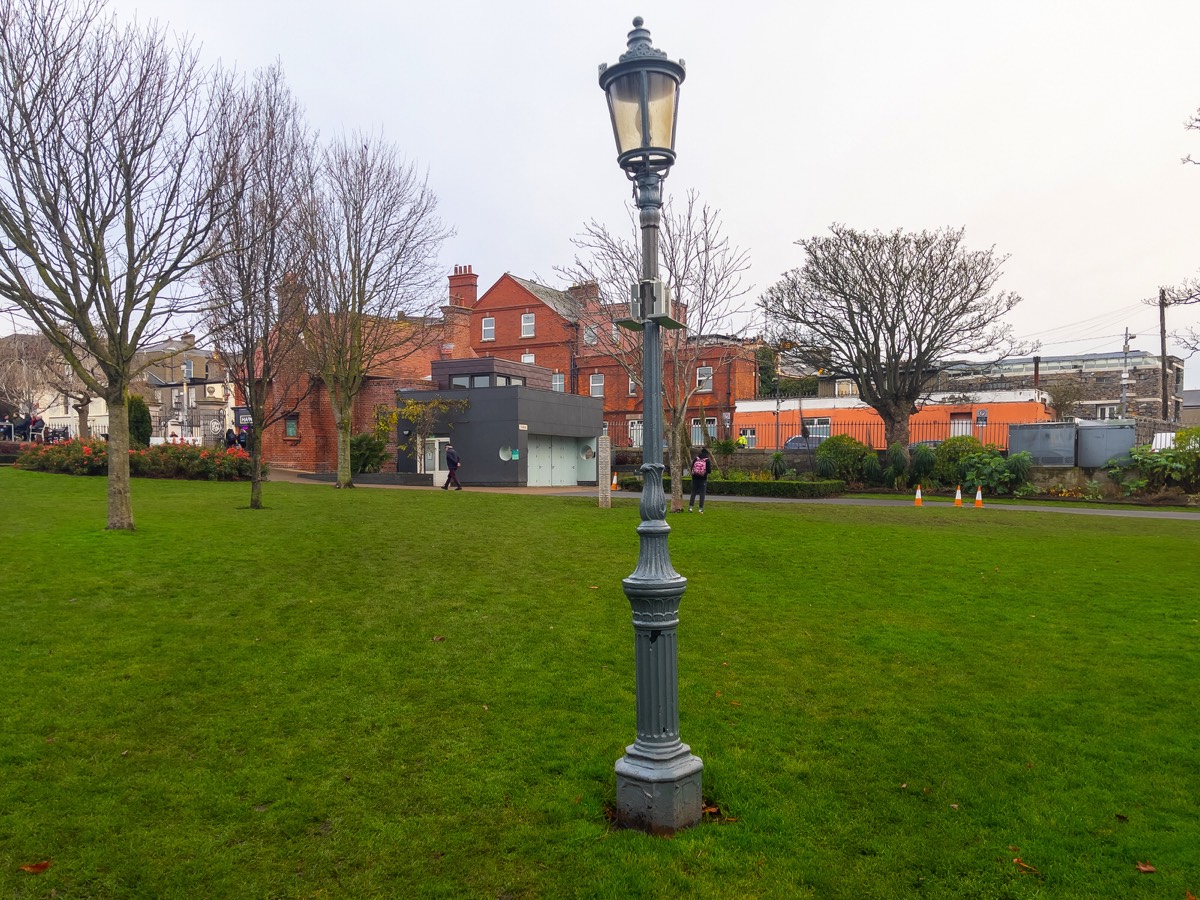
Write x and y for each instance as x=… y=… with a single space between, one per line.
x=734 y=703
x=1121 y=818
x=1025 y=867
x=718 y=693
x=904 y=785
x=35 y=868
x=954 y=806
x=579 y=798
x=438 y=638
x=485 y=706
x=593 y=587
x=712 y=810
x=1146 y=868
x=1189 y=896
x=1013 y=849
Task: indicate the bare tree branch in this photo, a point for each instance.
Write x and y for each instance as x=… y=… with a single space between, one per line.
x=254 y=307
x=371 y=237
x=705 y=274
x=107 y=175
x=886 y=310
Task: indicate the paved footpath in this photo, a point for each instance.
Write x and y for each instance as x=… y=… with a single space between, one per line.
x=292 y=476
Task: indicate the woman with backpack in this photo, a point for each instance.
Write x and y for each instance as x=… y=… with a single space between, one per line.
x=700 y=469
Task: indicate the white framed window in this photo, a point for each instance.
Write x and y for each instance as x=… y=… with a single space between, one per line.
x=632 y=387
x=604 y=431
x=635 y=432
x=187 y=370
x=589 y=336
x=526 y=325
x=845 y=387
x=1106 y=412
x=704 y=378
x=616 y=336
x=750 y=436
x=817 y=428
x=527 y=358
x=698 y=432
x=596 y=388
x=489 y=329
x=558 y=382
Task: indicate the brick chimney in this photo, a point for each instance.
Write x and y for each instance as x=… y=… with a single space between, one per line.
x=456 y=316
x=464 y=287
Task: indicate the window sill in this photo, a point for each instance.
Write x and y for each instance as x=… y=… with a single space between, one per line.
x=291 y=440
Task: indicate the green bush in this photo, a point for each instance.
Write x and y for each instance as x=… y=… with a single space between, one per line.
x=139 y=421
x=843 y=458
x=872 y=471
x=920 y=470
x=990 y=470
x=368 y=453
x=746 y=488
x=185 y=461
x=1150 y=471
x=948 y=457
x=778 y=465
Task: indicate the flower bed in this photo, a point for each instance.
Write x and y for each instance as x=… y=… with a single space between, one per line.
x=185 y=461
x=750 y=488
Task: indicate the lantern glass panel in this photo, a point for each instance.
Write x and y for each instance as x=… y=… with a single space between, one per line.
x=624 y=105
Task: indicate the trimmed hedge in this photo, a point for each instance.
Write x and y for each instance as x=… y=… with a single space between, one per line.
x=186 y=461
x=807 y=490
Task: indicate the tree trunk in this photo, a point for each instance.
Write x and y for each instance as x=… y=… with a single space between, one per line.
x=81 y=412
x=120 y=510
x=680 y=458
x=344 y=419
x=256 y=468
x=895 y=428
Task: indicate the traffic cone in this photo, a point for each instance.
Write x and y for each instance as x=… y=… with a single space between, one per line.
x=958 y=496
x=615 y=486
x=978 y=497
x=917 y=502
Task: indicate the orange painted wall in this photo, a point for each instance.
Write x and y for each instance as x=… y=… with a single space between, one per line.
x=863 y=423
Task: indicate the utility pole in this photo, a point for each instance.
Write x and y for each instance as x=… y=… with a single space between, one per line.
x=1125 y=373
x=1162 y=355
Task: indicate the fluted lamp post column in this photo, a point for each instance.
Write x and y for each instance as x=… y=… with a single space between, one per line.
x=658 y=778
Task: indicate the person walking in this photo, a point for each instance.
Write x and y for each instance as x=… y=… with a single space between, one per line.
x=452 y=464
x=701 y=466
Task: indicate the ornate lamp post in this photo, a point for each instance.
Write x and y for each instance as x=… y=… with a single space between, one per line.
x=658 y=778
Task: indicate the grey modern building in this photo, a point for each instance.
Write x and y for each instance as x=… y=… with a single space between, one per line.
x=516 y=431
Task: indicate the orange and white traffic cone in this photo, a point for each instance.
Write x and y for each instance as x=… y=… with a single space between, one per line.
x=958 y=496
x=917 y=502
x=978 y=497
x=615 y=486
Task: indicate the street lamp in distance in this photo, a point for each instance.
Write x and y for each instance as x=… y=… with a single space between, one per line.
x=658 y=778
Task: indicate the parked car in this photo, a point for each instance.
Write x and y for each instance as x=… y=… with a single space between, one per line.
x=803 y=442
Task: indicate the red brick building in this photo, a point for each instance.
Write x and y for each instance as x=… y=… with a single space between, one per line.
x=306 y=439
x=568 y=333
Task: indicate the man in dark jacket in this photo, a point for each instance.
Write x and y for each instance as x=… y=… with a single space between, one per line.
x=452 y=464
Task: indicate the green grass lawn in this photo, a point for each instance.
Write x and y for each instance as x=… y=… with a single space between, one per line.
x=398 y=694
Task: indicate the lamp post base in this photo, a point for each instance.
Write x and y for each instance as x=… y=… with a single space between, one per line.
x=659 y=795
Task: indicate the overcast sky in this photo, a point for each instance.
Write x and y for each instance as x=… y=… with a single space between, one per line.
x=1049 y=129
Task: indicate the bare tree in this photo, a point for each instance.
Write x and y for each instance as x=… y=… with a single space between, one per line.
x=371 y=238
x=886 y=310
x=26 y=364
x=1065 y=393
x=254 y=308
x=704 y=272
x=107 y=173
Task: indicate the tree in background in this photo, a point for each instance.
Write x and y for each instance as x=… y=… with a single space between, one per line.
x=426 y=416
x=704 y=272
x=370 y=274
x=254 y=308
x=108 y=178
x=26 y=363
x=886 y=310
x=139 y=422
x=1065 y=394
